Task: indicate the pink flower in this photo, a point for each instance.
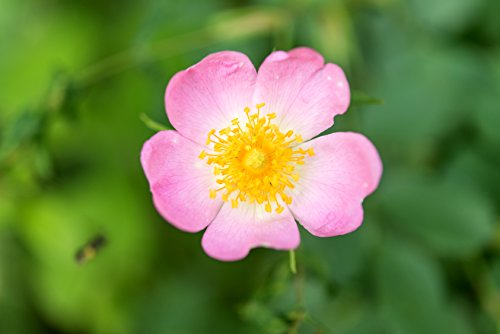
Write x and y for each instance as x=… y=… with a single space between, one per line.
x=243 y=162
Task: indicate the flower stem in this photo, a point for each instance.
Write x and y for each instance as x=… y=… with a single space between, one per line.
x=293 y=263
x=229 y=26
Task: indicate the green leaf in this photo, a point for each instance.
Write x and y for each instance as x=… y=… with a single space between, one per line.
x=343 y=258
x=16 y=315
x=21 y=129
x=470 y=168
x=488 y=117
x=164 y=307
x=410 y=288
x=451 y=15
x=452 y=219
x=264 y=317
x=413 y=75
x=55 y=226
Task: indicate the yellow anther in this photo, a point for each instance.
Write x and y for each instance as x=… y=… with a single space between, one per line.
x=213 y=193
x=279 y=209
x=202 y=155
x=268 y=207
x=260 y=105
x=298 y=138
x=271 y=116
x=310 y=151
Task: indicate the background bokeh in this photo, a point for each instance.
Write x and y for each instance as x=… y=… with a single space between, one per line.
x=81 y=87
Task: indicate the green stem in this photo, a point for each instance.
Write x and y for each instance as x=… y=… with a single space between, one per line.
x=293 y=262
x=229 y=26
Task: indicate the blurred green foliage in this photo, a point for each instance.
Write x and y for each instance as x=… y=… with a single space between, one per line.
x=82 y=84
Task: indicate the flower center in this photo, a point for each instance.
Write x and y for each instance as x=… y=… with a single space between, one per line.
x=255 y=162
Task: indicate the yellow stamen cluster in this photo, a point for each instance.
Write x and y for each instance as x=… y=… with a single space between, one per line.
x=255 y=162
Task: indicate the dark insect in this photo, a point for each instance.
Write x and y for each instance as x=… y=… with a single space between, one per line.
x=87 y=252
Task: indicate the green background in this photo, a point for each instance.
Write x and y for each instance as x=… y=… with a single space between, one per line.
x=75 y=78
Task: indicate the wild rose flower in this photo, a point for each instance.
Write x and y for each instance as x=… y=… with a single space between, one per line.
x=243 y=162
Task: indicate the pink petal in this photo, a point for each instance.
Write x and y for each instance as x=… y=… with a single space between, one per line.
x=235 y=231
x=179 y=181
x=304 y=93
x=327 y=198
x=210 y=94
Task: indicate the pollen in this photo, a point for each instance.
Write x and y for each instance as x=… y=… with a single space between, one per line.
x=254 y=162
